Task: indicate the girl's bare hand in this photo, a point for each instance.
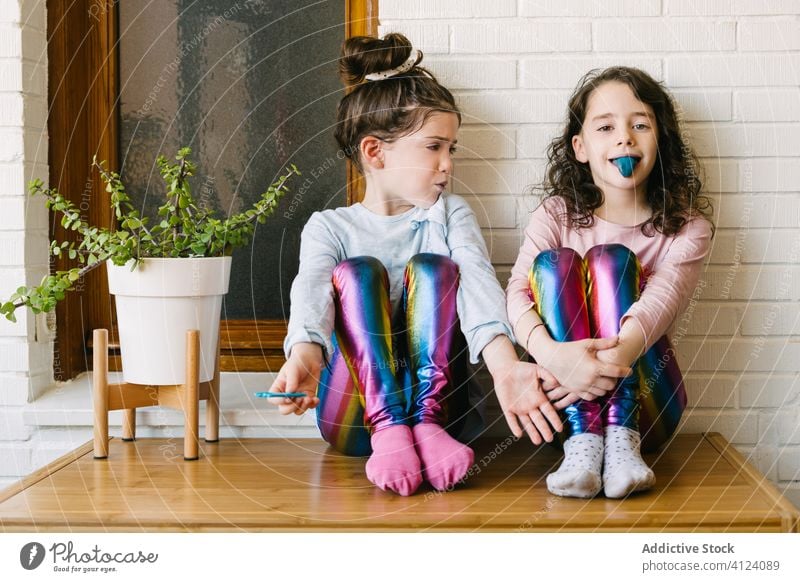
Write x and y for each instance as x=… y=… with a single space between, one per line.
x=525 y=405
x=300 y=373
x=578 y=369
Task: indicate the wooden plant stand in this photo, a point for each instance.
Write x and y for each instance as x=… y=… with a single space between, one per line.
x=128 y=397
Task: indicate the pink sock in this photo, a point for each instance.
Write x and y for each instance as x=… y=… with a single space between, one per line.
x=445 y=461
x=394 y=465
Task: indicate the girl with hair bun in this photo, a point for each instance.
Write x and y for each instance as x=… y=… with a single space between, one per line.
x=393 y=293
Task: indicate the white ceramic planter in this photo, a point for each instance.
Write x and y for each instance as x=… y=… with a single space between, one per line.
x=156 y=303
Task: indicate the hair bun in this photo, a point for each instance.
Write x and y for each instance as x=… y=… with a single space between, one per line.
x=362 y=55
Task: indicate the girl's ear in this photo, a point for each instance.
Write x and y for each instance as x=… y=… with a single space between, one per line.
x=371 y=150
x=579 y=149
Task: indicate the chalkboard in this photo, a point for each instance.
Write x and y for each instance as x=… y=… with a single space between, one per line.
x=250 y=86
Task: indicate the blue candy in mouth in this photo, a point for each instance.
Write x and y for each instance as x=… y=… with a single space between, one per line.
x=625 y=165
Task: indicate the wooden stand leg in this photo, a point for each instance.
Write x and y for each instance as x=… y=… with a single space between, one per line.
x=129 y=424
x=188 y=394
x=191 y=395
x=100 y=392
x=212 y=404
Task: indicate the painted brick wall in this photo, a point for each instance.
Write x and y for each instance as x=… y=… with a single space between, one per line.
x=26 y=347
x=734 y=67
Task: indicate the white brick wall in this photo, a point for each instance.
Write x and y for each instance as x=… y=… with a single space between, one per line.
x=26 y=349
x=734 y=68
x=514 y=36
x=768 y=105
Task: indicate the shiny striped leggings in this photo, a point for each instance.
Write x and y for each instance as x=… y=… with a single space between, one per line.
x=387 y=369
x=585 y=297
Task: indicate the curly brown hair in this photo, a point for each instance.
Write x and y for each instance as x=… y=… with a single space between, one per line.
x=673 y=187
x=389 y=108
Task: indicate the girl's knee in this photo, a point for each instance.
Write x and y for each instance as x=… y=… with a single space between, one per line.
x=614 y=257
x=561 y=256
x=365 y=269
x=433 y=263
x=617 y=253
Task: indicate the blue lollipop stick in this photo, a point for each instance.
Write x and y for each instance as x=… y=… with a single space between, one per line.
x=281 y=394
x=625 y=165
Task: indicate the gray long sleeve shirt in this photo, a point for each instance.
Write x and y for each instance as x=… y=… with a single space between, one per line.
x=447 y=228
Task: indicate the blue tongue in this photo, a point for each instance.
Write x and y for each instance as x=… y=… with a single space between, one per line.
x=625 y=165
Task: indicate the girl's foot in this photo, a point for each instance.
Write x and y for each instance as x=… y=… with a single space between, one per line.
x=579 y=473
x=624 y=470
x=394 y=464
x=445 y=461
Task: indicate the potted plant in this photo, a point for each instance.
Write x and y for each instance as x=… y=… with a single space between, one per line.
x=167 y=277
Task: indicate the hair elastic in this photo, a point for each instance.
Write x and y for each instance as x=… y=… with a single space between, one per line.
x=406 y=66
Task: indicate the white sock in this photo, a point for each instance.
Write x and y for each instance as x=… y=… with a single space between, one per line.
x=579 y=473
x=624 y=470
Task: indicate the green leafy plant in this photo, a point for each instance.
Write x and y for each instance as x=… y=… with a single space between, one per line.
x=180 y=229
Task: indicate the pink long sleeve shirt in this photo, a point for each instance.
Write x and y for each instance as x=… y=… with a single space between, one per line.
x=671 y=265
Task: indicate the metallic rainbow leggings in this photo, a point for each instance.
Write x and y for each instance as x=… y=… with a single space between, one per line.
x=579 y=298
x=386 y=370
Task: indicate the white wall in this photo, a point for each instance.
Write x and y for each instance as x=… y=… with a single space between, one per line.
x=26 y=348
x=734 y=66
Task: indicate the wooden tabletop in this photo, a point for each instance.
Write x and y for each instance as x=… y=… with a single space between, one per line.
x=302 y=485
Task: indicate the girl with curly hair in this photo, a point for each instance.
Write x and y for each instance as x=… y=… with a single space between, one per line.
x=609 y=260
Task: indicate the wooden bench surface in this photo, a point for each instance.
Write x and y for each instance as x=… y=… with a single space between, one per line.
x=302 y=485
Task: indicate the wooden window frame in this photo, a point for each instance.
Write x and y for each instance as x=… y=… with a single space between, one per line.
x=83 y=121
